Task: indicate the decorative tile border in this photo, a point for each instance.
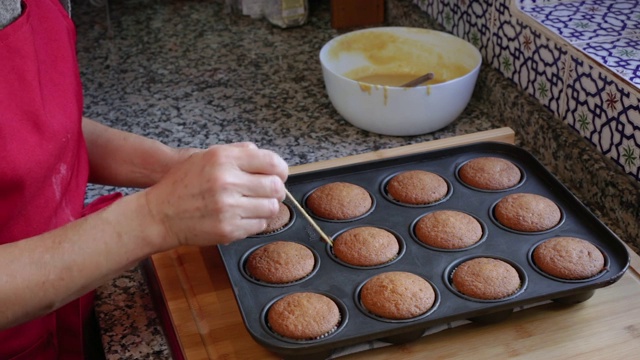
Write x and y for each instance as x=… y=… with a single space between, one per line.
x=589 y=77
x=604 y=112
x=606 y=30
x=621 y=55
x=529 y=58
x=579 y=20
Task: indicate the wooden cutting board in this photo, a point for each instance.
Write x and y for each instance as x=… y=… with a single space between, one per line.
x=202 y=319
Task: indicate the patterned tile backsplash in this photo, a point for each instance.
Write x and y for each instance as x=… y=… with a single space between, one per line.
x=580 y=59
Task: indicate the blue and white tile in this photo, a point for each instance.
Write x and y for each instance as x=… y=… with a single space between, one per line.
x=542 y=72
x=530 y=59
x=450 y=16
x=477 y=14
x=604 y=112
x=579 y=21
x=539 y=2
x=621 y=55
x=504 y=32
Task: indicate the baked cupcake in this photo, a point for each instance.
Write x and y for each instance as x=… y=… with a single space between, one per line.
x=486 y=279
x=417 y=187
x=339 y=201
x=527 y=212
x=490 y=173
x=397 y=295
x=569 y=258
x=304 y=316
x=448 y=229
x=279 y=221
x=280 y=262
x=366 y=246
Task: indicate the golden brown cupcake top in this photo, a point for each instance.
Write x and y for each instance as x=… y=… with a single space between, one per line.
x=527 y=212
x=304 y=316
x=448 y=229
x=280 y=262
x=279 y=221
x=486 y=279
x=366 y=246
x=397 y=295
x=339 y=201
x=417 y=187
x=490 y=173
x=569 y=258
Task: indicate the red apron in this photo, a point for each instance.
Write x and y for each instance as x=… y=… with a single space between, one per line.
x=43 y=165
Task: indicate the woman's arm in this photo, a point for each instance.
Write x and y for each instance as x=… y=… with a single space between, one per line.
x=125 y=159
x=42 y=273
x=213 y=196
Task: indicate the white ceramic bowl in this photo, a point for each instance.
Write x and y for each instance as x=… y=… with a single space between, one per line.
x=401 y=53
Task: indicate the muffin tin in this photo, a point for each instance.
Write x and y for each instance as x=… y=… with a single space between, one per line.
x=341 y=282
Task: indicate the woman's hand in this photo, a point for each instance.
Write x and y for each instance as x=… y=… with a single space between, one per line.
x=205 y=197
x=218 y=195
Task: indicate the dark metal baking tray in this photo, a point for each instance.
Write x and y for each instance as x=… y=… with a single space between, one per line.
x=341 y=282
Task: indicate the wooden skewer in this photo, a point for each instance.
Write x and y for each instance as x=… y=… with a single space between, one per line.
x=310 y=219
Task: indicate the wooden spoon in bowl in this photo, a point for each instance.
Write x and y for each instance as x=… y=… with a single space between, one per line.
x=417 y=81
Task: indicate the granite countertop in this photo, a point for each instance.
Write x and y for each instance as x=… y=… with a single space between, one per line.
x=193 y=74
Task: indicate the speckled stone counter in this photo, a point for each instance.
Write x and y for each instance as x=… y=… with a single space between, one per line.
x=191 y=74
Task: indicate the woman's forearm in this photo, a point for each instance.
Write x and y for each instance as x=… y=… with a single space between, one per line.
x=44 y=272
x=125 y=159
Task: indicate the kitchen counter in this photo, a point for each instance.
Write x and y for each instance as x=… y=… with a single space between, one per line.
x=192 y=74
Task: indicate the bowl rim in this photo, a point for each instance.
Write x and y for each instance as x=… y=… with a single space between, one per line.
x=331 y=42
